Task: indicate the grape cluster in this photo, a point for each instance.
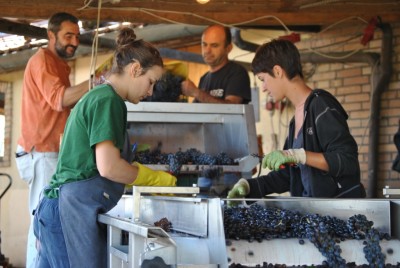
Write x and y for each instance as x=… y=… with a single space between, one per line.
x=358 y=225
x=164 y=224
x=257 y=223
x=271 y=265
x=325 y=232
x=322 y=237
x=175 y=161
x=167 y=89
x=372 y=249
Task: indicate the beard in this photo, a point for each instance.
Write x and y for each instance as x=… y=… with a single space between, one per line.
x=62 y=50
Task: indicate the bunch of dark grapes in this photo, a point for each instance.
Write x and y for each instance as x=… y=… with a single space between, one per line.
x=224 y=159
x=358 y=225
x=164 y=224
x=325 y=232
x=335 y=226
x=276 y=265
x=257 y=223
x=174 y=164
x=176 y=160
x=205 y=159
x=372 y=249
x=150 y=156
x=324 y=241
x=167 y=89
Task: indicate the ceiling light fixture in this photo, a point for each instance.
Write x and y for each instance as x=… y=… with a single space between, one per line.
x=203 y=1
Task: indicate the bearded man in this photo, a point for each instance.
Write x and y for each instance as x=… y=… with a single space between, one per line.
x=47 y=98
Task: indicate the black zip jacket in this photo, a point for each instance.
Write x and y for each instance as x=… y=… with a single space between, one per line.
x=325 y=130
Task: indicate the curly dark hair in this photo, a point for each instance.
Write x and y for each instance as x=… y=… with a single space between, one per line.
x=57 y=19
x=130 y=49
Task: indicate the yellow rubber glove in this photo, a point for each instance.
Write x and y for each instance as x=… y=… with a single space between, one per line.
x=276 y=159
x=239 y=190
x=149 y=177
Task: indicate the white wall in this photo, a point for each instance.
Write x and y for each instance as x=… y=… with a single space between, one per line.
x=14 y=217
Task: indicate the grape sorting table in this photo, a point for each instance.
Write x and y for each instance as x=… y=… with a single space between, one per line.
x=197 y=237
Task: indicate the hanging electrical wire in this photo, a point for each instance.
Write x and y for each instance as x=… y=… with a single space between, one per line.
x=150 y=12
x=346 y=2
x=86 y=4
x=95 y=43
x=316 y=50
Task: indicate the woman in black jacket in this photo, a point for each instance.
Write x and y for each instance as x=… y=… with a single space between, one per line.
x=320 y=156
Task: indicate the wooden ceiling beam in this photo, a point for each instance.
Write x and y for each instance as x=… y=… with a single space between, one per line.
x=288 y=18
x=151 y=12
x=11 y=27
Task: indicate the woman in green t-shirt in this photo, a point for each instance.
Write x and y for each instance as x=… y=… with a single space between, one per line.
x=91 y=174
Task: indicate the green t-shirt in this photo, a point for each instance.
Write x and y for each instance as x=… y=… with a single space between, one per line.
x=99 y=115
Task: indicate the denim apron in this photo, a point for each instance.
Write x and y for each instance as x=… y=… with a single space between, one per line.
x=79 y=205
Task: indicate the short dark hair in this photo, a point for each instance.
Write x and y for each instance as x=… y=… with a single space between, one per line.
x=57 y=19
x=277 y=52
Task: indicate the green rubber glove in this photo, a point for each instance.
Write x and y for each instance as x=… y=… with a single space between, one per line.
x=276 y=159
x=149 y=177
x=239 y=190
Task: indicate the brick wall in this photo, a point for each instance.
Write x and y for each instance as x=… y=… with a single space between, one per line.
x=351 y=83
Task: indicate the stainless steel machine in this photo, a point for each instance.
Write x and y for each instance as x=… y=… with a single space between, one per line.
x=209 y=128
x=196 y=236
x=384 y=213
x=196 y=221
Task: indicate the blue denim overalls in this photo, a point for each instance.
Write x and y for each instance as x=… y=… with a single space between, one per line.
x=78 y=205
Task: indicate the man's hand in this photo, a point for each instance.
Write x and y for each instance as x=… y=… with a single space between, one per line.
x=276 y=159
x=189 y=88
x=149 y=177
x=239 y=190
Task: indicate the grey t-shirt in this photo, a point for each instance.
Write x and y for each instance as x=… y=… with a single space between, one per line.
x=304 y=170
